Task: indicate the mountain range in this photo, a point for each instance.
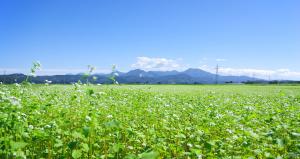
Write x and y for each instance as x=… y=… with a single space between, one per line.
x=137 y=76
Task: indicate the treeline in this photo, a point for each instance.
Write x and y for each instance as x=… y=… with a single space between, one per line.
x=136 y=79
x=55 y=79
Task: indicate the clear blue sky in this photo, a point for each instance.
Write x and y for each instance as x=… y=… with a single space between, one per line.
x=64 y=34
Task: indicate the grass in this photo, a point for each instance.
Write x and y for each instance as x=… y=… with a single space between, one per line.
x=149 y=121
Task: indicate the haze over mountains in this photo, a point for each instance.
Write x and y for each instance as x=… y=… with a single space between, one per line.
x=138 y=76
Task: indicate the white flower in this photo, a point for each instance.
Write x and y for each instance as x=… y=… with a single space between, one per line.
x=230 y=131
x=15 y=101
x=88 y=118
x=47 y=126
x=23 y=115
x=218 y=116
x=109 y=116
x=101 y=93
x=212 y=124
x=48 y=81
x=30 y=126
x=199 y=156
x=235 y=137
x=175 y=116
x=116 y=74
x=32 y=74
x=130 y=147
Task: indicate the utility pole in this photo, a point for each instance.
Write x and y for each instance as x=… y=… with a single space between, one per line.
x=217 y=73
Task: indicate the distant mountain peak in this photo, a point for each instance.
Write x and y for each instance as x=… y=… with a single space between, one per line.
x=195 y=72
x=136 y=72
x=189 y=76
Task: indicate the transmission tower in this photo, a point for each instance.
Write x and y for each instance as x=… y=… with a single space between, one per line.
x=217 y=73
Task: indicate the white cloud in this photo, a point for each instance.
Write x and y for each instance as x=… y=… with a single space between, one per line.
x=157 y=64
x=258 y=73
x=221 y=60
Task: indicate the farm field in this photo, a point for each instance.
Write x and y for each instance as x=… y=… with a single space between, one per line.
x=149 y=121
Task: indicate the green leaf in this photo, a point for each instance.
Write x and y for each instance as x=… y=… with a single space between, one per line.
x=268 y=155
x=253 y=134
x=86 y=131
x=209 y=145
x=150 y=155
x=17 y=145
x=113 y=124
x=130 y=156
x=85 y=147
x=117 y=147
x=280 y=142
x=296 y=134
x=72 y=144
x=77 y=135
x=196 y=151
x=58 y=144
x=76 y=154
x=20 y=154
x=181 y=136
x=90 y=91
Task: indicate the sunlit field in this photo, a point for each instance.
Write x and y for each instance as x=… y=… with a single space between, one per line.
x=149 y=121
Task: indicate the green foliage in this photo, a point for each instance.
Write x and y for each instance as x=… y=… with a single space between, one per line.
x=87 y=74
x=149 y=121
x=76 y=154
x=150 y=155
x=17 y=145
x=114 y=74
x=35 y=66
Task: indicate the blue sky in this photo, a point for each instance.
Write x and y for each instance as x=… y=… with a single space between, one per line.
x=253 y=37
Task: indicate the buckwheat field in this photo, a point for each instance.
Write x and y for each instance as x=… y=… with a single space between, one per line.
x=149 y=121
